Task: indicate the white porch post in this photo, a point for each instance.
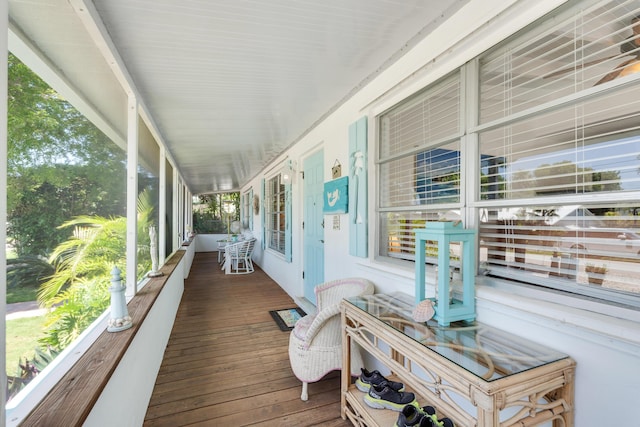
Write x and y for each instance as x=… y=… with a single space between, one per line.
x=175 y=240
x=176 y=219
x=132 y=197
x=189 y=202
x=162 y=207
x=4 y=26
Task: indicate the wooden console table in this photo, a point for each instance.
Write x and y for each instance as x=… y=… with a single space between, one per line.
x=474 y=374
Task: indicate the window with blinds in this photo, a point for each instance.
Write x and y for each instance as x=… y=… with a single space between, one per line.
x=275 y=216
x=594 y=246
x=560 y=132
x=556 y=194
x=247 y=222
x=419 y=164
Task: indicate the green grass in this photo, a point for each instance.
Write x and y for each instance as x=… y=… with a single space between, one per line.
x=21 y=295
x=22 y=339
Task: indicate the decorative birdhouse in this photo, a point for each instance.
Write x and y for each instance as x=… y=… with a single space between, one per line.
x=451 y=241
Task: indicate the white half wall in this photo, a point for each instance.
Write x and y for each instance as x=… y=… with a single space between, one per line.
x=126 y=396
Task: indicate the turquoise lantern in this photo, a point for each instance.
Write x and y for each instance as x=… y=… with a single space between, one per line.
x=448 y=236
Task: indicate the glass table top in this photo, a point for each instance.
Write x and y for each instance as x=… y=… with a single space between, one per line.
x=483 y=350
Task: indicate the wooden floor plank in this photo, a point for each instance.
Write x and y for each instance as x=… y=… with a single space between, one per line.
x=226 y=362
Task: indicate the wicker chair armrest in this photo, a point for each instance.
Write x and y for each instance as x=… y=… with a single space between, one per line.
x=320 y=319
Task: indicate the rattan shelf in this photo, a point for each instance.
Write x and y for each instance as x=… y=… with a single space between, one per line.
x=472 y=373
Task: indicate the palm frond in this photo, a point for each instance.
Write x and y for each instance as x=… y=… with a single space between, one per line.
x=27 y=271
x=96 y=245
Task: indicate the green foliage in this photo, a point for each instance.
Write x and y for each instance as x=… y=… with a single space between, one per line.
x=59 y=165
x=22 y=338
x=27 y=272
x=96 y=245
x=82 y=303
x=211 y=218
x=146 y=218
x=80 y=286
x=28 y=370
x=205 y=222
x=15 y=295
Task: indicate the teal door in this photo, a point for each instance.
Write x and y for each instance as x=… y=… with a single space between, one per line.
x=313 y=233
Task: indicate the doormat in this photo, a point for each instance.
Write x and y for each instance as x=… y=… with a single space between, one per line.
x=287 y=317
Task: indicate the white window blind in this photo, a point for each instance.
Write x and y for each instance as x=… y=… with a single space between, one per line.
x=558 y=155
x=427 y=118
x=397 y=238
x=558 y=245
x=275 y=214
x=560 y=131
x=578 y=48
x=586 y=147
x=419 y=164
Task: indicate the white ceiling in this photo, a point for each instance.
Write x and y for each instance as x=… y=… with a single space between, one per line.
x=230 y=84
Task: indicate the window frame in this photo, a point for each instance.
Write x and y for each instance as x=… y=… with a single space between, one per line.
x=282 y=199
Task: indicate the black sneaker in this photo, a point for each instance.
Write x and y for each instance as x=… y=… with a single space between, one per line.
x=409 y=416
x=431 y=420
x=366 y=378
x=413 y=416
x=384 y=397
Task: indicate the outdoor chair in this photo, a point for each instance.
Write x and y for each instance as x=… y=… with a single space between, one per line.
x=315 y=343
x=221 y=245
x=237 y=257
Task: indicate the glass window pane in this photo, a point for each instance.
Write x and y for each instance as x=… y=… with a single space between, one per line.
x=593 y=146
x=397 y=236
x=581 y=47
x=275 y=218
x=66 y=201
x=564 y=243
x=424 y=119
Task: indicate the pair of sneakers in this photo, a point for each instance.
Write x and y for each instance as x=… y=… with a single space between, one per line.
x=382 y=393
x=412 y=416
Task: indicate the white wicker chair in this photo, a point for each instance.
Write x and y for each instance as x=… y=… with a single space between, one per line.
x=315 y=343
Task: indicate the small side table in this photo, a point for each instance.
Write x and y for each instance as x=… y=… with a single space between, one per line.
x=506 y=380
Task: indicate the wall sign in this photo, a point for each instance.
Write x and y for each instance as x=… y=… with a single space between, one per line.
x=336 y=196
x=336 y=170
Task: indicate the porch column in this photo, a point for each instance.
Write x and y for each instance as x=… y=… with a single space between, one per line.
x=162 y=208
x=132 y=197
x=4 y=76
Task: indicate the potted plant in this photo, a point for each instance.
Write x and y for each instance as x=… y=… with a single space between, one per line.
x=595 y=273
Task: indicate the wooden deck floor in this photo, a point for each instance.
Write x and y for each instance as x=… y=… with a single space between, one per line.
x=226 y=363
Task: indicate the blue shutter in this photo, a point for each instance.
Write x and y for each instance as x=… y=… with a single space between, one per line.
x=358 y=209
x=262 y=215
x=251 y=213
x=287 y=221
